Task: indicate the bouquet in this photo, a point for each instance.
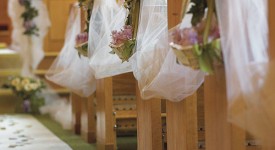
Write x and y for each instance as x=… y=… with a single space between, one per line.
x=123 y=41
x=28 y=15
x=27 y=90
x=82 y=44
x=82 y=38
x=199 y=47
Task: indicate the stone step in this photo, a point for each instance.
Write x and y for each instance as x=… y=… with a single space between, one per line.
x=9 y=59
x=48 y=60
x=6 y=73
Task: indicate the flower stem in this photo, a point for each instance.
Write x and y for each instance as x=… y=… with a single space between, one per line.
x=209 y=16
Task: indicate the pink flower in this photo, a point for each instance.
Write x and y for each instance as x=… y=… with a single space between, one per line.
x=194 y=35
x=120 y=37
x=184 y=37
x=81 y=38
x=28 y=25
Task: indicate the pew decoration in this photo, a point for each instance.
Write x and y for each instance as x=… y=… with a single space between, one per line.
x=68 y=69
x=107 y=16
x=124 y=41
x=30 y=22
x=28 y=15
x=154 y=63
x=82 y=38
x=27 y=89
x=248 y=67
x=198 y=47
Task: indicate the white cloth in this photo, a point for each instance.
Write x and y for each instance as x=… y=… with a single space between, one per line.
x=106 y=17
x=69 y=70
x=154 y=63
x=249 y=72
x=24 y=132
x=30 y=48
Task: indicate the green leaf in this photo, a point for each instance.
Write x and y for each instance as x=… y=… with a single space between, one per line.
x=206 y=64
x=197 y=10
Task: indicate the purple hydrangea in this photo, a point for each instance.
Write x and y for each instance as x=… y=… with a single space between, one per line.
x=27 y=106
x=81 y=38
x=185 y=37
x=120 y=37
x=194 y=35
x=28 y=25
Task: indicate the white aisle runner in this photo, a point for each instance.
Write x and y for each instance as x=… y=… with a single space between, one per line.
x=24 y=132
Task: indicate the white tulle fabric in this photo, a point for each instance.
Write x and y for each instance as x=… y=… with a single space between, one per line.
x=154 y=63
x=106 y=17
x=30 y=48
x=69 y=70
x=56 y=107
x=250 y=85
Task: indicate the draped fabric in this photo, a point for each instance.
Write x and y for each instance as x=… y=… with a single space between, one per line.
x=69 y=69
x=107 y=16
x=249 y=72
x=30 y=48
x=154 y=64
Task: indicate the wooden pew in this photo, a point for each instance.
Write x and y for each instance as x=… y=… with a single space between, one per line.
x=182 y=130
x=148 y=114
x=76 y=112
x=105 y=123
x=271 y=19
x=219 y=133
x=88 y=122
x=149 y=126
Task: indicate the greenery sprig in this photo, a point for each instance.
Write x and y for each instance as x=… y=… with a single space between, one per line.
x=28 y=15
x=82 y=38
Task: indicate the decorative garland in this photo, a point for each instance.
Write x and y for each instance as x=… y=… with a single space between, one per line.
x=28 y=15
x=199 y=47
x=124 y=41
x=82 y=38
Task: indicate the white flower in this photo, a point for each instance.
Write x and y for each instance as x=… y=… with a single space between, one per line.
x=25 y=82
x=27 y=87
x=34 y=86
x=15 y=82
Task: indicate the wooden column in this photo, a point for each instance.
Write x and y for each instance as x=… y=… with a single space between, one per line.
x=219 y=133
x=149 y=125
x=269 y=144
x=88 y=123
x=76 y=112
x=105 y=133
x=182 y=128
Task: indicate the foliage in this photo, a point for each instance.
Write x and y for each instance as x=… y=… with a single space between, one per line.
x=25 y=87
x=198 y=11
x=86 y=5
x=28 y=15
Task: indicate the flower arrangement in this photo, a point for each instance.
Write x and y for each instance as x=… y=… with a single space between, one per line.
x=123 y=42
x=27 y=89
x=199 y=47
x=28 y=15
x=82 y=38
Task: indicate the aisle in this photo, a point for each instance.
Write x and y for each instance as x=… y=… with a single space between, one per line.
x=24 y=132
